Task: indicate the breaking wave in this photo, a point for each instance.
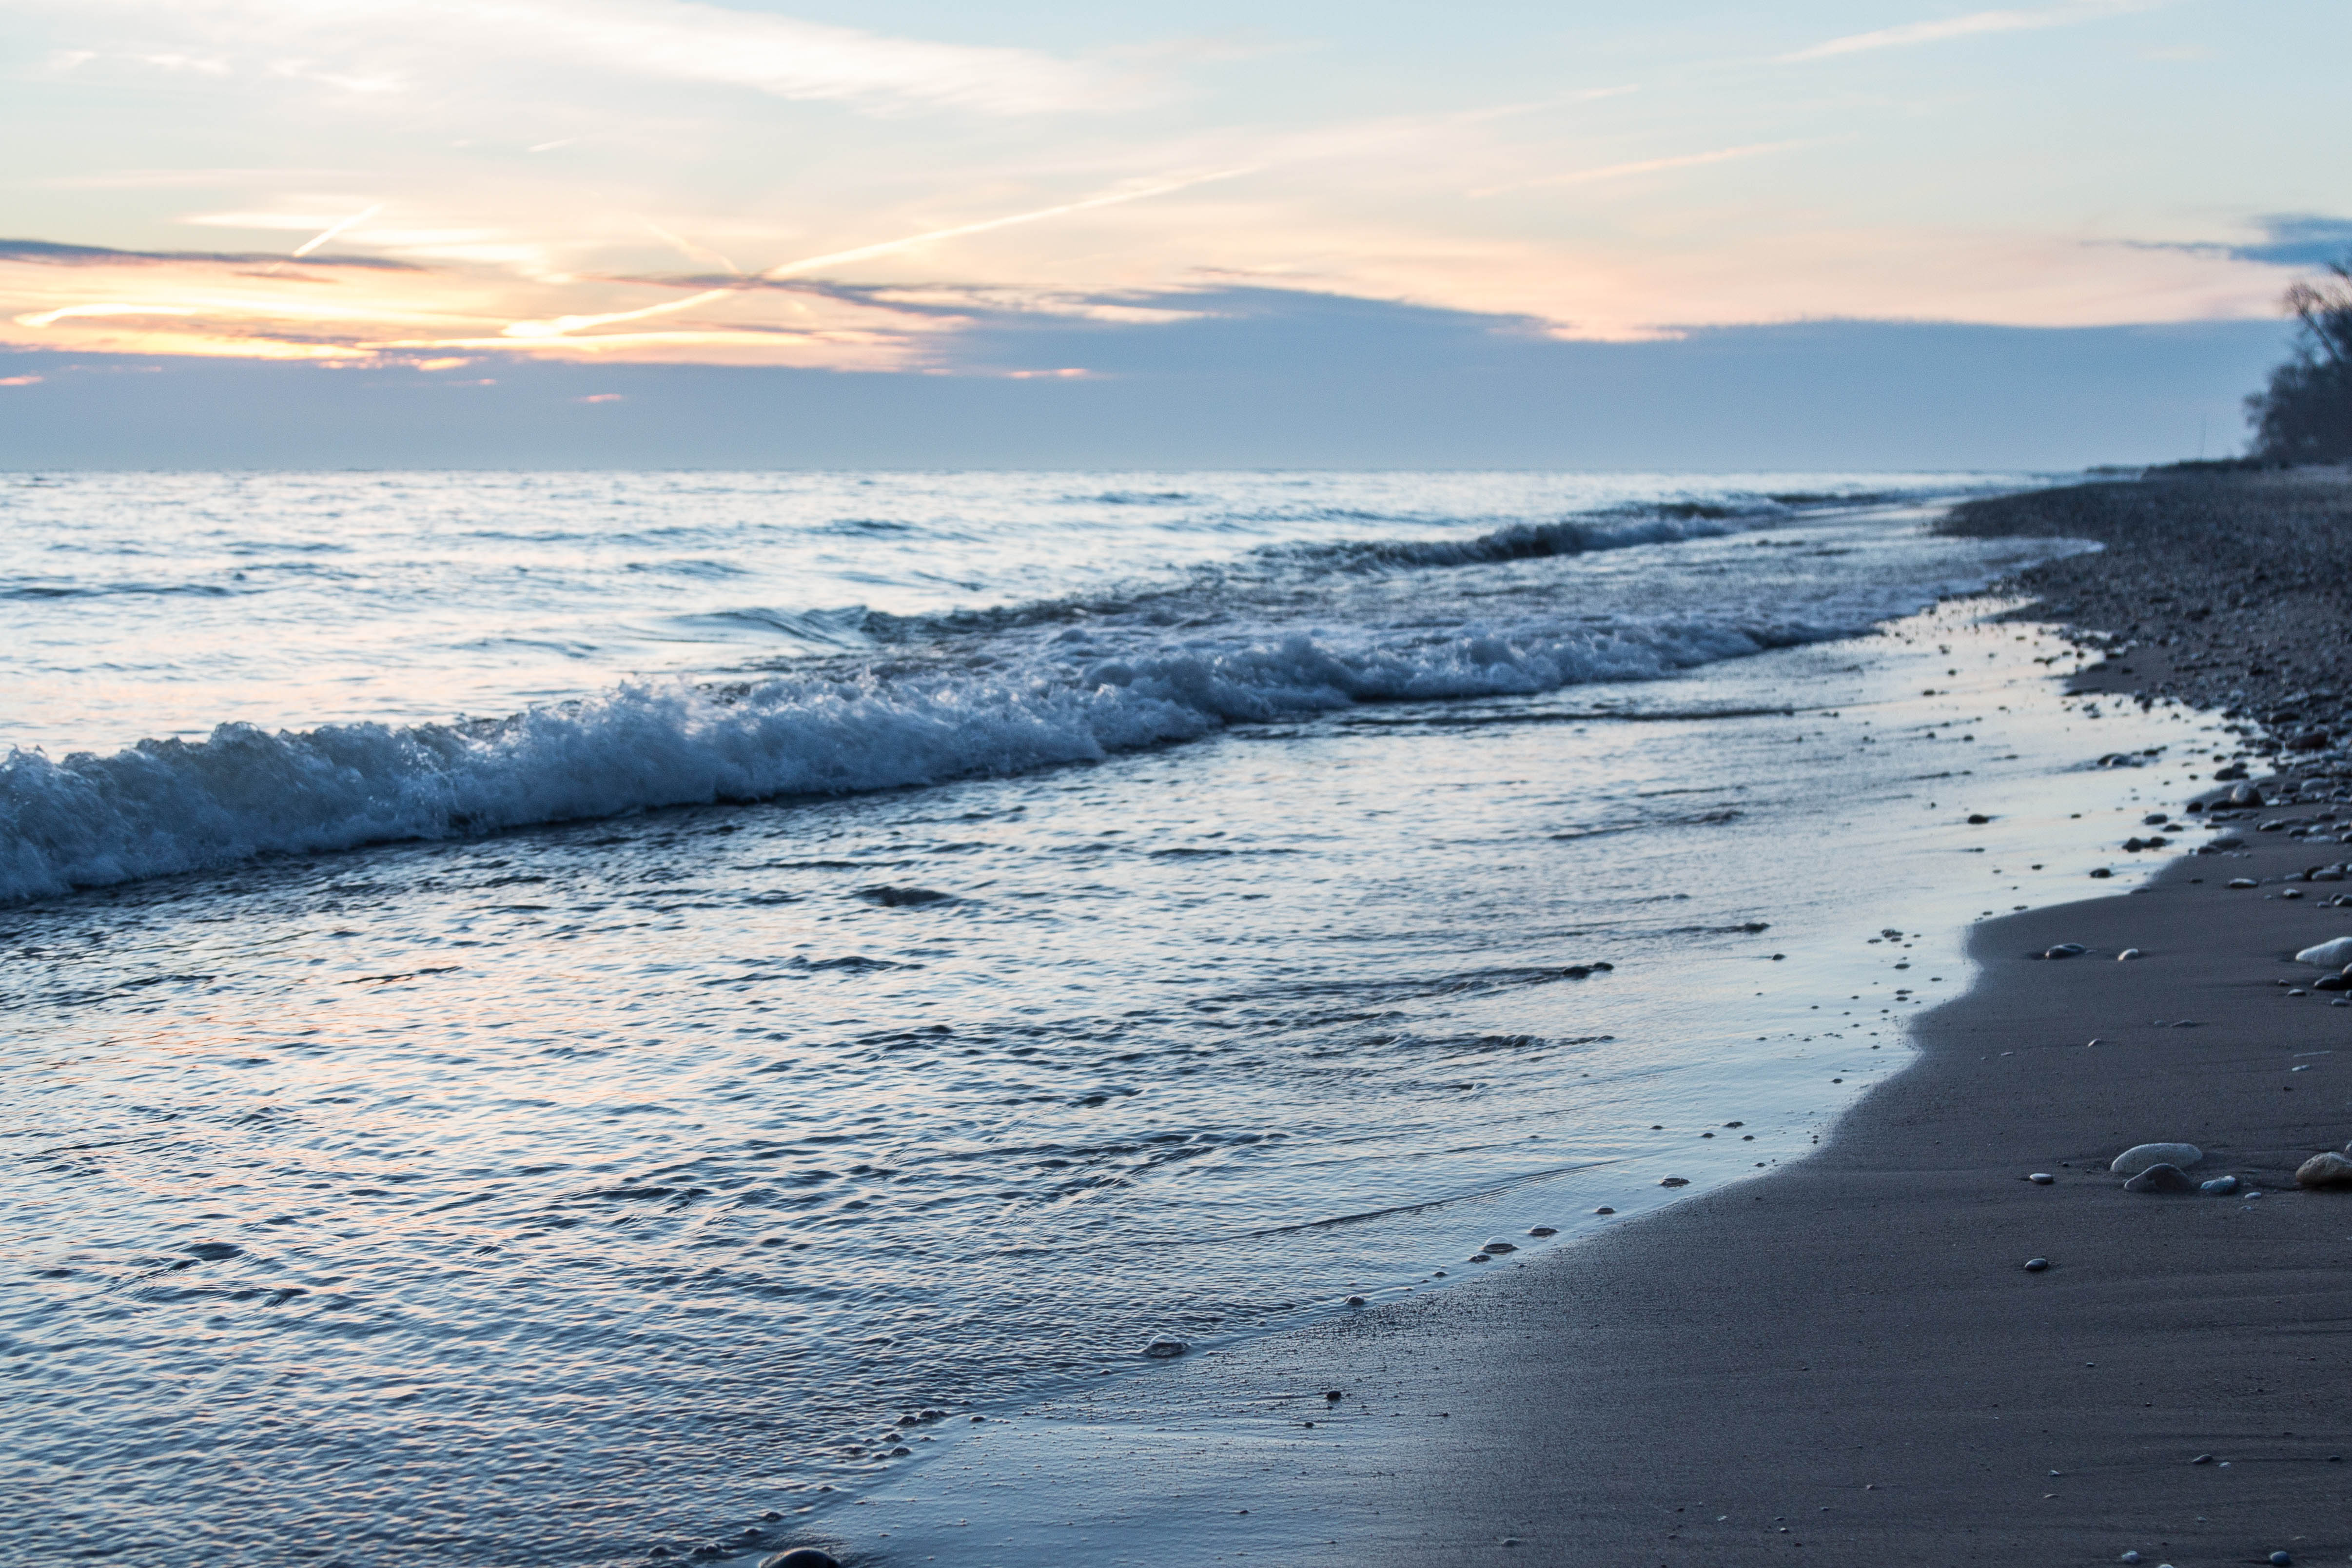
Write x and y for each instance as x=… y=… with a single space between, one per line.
x=168 y=806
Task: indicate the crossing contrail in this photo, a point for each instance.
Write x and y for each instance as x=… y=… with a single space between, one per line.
x=563 y=326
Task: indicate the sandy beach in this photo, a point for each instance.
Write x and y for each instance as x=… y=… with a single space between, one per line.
x=1848 y=1360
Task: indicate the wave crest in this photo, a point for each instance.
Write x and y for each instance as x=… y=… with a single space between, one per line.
x=164 y=808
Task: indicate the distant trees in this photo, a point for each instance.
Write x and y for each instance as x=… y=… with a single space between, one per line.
x=2306 y=414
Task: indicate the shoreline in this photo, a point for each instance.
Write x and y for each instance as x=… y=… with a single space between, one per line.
x=1844 y=1361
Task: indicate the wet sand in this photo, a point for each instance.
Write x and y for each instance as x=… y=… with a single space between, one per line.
x=1845 y=1361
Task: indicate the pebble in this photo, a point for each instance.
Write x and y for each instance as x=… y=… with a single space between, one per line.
x=1500 y=1247
x=2042 y=1178
x=2101 y=872
x=2292 y=893
x=2203 y=1460
x=1478 y=1258
x=2219 y=1185
x=2140 y=1156
x=2328 y=1170
x=1604 y=1209
x=2243 y=882
x=1675 y=1182
x=1355 y=1301
x=1542 y=1230
x=2333 y=954
x=1163 y=1349
x=2131 y=1556
x=2036 y=1264
x=801 y=1557
x=2280 y=1560
x=2066 y=949
x=2163 y=1179
x=2127 y=954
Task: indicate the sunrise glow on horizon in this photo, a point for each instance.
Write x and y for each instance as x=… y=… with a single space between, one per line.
x=825 y=186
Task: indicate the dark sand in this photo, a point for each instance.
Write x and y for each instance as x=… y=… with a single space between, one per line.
x=1774 y=1350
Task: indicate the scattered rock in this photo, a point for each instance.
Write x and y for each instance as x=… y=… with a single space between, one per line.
x=1478 y=1258
x=2219 y=1186
x=2042 y=1178
x=2131 y=1556
x=2243 y=882
x=1542 y=1230
x=2066 y=949
x=2161 y=1179
x=2140 y=1156
x=2328 y=1170
x=1604 y=1209
x=1164 y=1348
x=2127 y=954
x=2101 y=871
x=1355 y=1301
x=1499 y=1247
x=1978 y=820
x=2280 y=1560
x=2036 y=1264
x=1675 y=1182
x=801 y=1557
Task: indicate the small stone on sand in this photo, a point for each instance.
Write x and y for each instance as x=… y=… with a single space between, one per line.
x=1604 y=1209
x=1675 y=1182
x=2243 y=882
x=2140 y=1156
x=1542 y=1230
x=2036 y=1264
x=2328 y=1170
x=2333 y=954
x=1500 y=1247
x=1163 y=1349
x=2219 y=1186
x=2127 y=954
x=2042 y=1178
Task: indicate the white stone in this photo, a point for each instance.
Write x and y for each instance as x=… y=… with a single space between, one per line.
x=2140 y=1156
x=2328 y=954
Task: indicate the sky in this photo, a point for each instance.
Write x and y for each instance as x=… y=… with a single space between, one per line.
x=1567 y=233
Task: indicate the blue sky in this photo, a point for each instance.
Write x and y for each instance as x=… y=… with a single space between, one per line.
x=531 y=192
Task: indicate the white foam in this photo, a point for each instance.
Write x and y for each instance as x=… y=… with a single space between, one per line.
x=169 y=806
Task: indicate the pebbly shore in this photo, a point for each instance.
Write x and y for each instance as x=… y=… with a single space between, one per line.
x=2225 y=588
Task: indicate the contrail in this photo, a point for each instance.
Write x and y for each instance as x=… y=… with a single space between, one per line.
x=317 y=240
x=563 y=325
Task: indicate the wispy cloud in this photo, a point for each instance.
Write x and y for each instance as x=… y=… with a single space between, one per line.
x=1973 y=24
x=379 y=46
x=1645 y=166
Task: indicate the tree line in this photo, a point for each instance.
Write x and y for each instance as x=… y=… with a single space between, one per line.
x=2305 y=415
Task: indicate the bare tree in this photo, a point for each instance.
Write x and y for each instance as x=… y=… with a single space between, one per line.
x=2306 y=414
